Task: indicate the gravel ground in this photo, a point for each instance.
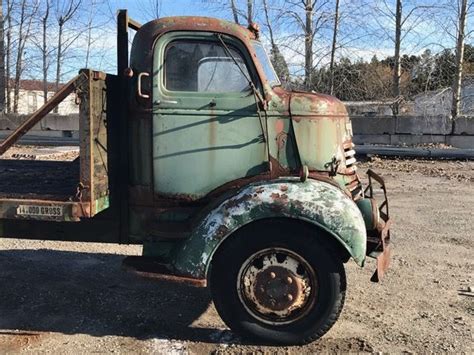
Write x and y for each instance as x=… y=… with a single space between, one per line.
x=73 y=298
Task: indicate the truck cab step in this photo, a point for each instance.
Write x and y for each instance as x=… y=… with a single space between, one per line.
x=155 y=268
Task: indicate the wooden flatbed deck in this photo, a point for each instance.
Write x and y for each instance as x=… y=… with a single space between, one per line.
x=39 y=180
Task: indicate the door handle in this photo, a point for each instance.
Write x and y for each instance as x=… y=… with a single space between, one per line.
x=159 y=102
x=139 y=86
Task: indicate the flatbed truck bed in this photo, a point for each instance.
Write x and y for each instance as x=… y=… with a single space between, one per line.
x=63 y=191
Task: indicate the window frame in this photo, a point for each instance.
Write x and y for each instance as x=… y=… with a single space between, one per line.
x=198 y=41
x=193 y=99
x=268 y=59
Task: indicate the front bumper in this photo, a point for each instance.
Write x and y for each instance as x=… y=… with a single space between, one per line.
x=378 y=237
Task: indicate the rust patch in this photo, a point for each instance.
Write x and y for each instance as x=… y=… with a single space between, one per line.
x=152 y=269
x=279 y=199
x=277 y=169
x=279 y=126
x=221 y=232
x=259 y=190
x=236 y=202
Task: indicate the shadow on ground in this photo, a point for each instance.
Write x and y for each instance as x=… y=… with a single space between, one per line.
x=88 y=293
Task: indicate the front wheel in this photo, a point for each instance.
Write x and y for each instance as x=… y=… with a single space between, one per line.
x=278 y=283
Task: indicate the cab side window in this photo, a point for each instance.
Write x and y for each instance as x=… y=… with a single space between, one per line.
x=198 y=66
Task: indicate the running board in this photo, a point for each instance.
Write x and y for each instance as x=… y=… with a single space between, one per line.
x=154 y=268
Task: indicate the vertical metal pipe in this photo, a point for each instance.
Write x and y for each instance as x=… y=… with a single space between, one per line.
x=122 y=171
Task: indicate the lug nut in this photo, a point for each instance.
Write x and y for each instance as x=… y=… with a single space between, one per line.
x=272 y=275
x=289 y=280
x=290 y=297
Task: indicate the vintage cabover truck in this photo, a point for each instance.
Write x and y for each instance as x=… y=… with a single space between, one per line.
x=196 y=151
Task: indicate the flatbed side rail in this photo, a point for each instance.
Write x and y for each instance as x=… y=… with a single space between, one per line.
x=42 y=112
x=90 y=192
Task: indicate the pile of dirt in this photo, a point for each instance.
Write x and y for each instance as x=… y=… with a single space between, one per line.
x=462 y=171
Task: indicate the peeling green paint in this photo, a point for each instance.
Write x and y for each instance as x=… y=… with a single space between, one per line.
x=316 y=202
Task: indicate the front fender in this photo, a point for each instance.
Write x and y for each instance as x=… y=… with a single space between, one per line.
x=316 y=202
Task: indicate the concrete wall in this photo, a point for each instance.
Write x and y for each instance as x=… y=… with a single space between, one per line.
x=52 y=122
x=401 y=130
x=410 y=130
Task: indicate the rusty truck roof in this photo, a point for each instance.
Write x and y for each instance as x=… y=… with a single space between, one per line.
x=146 y=36
x=196 y=23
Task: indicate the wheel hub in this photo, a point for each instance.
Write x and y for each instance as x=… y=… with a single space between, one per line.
x=276 y=285
x=277 y=289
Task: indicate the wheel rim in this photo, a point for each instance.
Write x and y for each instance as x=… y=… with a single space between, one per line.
x=277 y=286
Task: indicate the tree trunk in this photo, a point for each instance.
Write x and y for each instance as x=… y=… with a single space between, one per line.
x=456 y=105
x=2 y=62
x=308 y=43
x=58 y=60
x=8 y=57
x=88 y=48
x=397 y=64
x=270 y=29
x=234 y=11
x=333 y=48
x=24 y=32
x=19 y=59
x=249 y=11
x=44 y=21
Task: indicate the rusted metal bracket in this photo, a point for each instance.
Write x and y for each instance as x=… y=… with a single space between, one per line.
x=42 y=112
x=383 y=247
x=369 y=192
x=383 y=260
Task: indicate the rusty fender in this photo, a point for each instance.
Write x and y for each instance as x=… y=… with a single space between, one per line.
x=313 y=201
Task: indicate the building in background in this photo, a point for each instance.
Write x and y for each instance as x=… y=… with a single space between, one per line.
x=31 y=98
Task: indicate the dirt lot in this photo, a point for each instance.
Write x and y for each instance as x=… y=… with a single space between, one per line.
x=60 y=297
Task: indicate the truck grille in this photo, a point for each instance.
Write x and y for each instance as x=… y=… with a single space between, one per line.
x=353 y=183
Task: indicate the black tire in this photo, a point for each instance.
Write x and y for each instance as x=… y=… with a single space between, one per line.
x=320 y=309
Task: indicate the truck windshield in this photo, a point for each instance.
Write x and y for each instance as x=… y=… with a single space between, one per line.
x=266 y=64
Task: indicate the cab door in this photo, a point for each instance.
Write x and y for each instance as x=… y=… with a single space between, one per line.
x=206 y=130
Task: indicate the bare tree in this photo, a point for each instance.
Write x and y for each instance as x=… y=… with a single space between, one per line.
x=397 y=69
x=45 y=50
x=268 y=23
x=404 y=22
x=8 y=54
x=459 y=59
x=277 y=58
x=89 y=31
x=310 y=16
x=2 y=62
x=249 y=11
x=308 y=42
x=235 y=12
x=333 y=47
x=150 y=9
x=65 y=11
x=26 y=16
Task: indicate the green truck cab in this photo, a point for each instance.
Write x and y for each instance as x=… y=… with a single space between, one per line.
x=195 y=150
